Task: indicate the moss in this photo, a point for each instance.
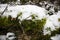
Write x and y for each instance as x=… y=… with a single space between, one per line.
x=59 y=19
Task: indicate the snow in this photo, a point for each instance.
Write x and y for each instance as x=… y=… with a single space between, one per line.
x=10 y=36
x=52 y=22
x=57 y=37
x=2 y=37
x=2 y=7
x=27 y=10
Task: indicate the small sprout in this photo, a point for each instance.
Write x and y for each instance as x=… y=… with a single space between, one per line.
x=48 y=29
x=34 y=16
x=19 y=14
